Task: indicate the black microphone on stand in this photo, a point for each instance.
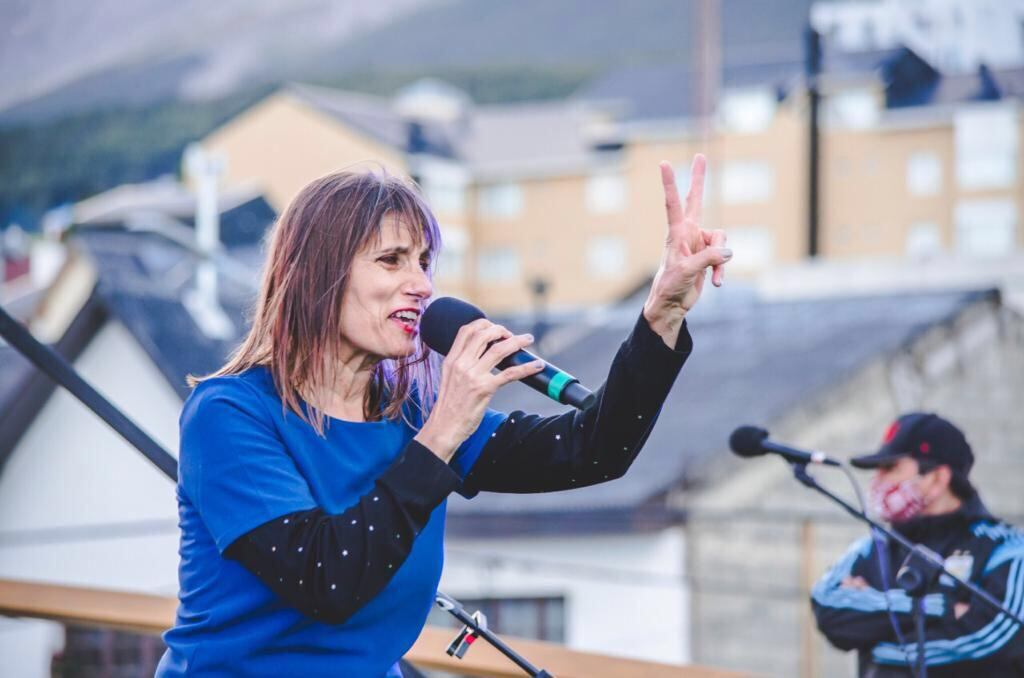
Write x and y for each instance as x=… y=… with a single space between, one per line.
x=751 y=441
x=441 y=322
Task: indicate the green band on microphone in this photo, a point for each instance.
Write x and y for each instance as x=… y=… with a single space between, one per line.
x=558 y=384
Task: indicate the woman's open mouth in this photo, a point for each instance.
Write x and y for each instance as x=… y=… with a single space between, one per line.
x=407 y=319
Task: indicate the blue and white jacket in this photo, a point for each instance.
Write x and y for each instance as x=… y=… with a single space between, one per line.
x=981 y=642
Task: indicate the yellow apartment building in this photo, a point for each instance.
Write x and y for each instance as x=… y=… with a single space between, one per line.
x=568 y=192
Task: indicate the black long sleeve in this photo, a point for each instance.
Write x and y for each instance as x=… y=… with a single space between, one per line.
x=529 y=453
x=328 y=566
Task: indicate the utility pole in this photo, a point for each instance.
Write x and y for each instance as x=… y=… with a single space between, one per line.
x=813 y=70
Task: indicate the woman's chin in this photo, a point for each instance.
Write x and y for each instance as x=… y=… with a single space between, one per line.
x=400 y=352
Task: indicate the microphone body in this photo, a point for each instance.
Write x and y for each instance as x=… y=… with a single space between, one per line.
x=445 y=316
x=751 y=441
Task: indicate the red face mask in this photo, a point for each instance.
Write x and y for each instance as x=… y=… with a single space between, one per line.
x=896 y=502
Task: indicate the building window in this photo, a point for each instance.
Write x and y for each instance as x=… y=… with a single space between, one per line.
x=747 y=111
x=444 y=183
x=986 y=228
x=754 y=247
x=924 y=240
x=534 y=618
x=856 y=108
x=606 y=193
x=924 y=174
x=986 y=141
x=498 y=265
x=451 y=260
x=501 y=201
x=446 y=198
x=747 y=182
x=104 y=652
x=606 y=256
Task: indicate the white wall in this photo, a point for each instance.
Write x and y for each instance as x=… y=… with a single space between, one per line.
x=624 y=594
x=79 y=506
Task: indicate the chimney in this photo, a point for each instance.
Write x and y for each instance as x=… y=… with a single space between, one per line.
x=204 y=171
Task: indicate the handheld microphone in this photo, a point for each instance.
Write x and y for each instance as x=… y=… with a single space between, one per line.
x=441 y=322
x=751 y=441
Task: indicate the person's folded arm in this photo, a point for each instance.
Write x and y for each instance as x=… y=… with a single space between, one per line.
x=858 y=616
x=975 y=632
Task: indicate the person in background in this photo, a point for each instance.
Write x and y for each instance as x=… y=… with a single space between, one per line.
x=315 y=465
x=921 y=487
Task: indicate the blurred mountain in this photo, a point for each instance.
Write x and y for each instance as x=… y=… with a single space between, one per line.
x=62 y=58
x=65 y=57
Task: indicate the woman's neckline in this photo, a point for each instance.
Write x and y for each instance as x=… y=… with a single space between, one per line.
x=268 y=381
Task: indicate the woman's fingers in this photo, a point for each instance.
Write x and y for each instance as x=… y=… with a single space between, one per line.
x=465 y=335
x=504 y=348
x=684 y=218
x=673 y=207
x=713 y=257
x=716 y=238
x=510 y=374
x=481 y=341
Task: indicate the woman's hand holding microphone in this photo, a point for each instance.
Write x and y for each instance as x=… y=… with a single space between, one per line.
x=467 y=383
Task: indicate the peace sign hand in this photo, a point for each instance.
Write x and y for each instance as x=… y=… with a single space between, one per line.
x=689 y=251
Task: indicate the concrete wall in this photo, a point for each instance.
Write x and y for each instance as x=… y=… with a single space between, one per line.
x=758 y=540
x=624 y=594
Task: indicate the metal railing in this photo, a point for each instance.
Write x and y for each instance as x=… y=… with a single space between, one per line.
x=150 y=614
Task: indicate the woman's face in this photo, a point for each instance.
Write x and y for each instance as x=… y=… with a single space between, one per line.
x=387 y=289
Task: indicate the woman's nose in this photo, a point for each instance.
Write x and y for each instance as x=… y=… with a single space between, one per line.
x=421 y=286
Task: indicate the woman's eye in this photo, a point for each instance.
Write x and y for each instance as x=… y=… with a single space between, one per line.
x=389 y=259
x=425 y=264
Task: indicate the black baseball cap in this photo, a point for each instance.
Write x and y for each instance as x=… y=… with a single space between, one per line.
x=926 y=437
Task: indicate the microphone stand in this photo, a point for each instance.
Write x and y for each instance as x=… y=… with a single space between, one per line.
x=921 y=567
x=473 y=629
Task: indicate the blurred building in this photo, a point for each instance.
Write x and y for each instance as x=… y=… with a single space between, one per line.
x=128 y=307
x=954 y=35
x=914 y=163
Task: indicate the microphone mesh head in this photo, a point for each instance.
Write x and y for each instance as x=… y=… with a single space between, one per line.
x=442 y=320
x=746 y=441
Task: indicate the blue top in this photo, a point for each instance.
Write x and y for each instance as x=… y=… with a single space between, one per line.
x=243 y=462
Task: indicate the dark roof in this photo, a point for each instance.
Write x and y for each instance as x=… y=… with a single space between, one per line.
x=983 y=84
x=753 y=362
x=244 y=216
x=142 y=282
x=910 y=80
x=664 y=91
x=377 y=118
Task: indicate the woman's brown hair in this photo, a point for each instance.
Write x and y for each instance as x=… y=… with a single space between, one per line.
x=296 y=323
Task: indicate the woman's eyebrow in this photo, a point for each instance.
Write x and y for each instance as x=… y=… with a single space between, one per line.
x=397 y=249
x=403 y=249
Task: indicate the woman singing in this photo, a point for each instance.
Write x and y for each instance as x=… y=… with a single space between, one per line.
x=315 y=465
